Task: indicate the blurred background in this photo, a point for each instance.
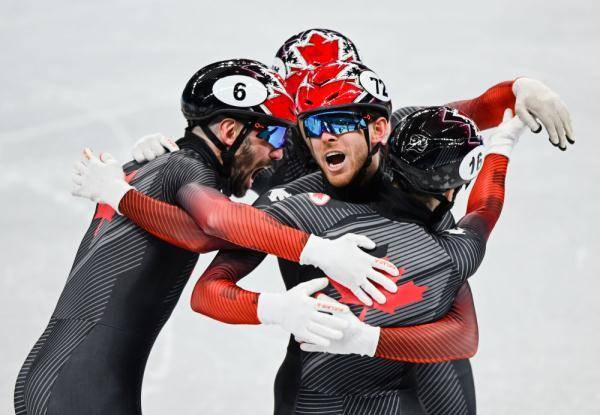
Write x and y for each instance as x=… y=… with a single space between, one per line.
x=102 y=74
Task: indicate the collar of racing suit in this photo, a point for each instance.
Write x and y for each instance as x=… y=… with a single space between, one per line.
x=388 y=200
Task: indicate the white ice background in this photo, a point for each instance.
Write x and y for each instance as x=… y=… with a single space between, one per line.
x=76 y=73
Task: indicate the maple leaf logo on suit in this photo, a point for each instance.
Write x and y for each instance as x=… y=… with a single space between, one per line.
x=408 y=293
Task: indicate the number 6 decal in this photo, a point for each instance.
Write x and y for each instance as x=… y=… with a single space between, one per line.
x=240 y=91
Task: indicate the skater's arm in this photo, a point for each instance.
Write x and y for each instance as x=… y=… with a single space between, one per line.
x=487 y=197
x=454 y=336
x=207 y=213
x=465 y=245
x=216 y=293
x=241 y=224
x=169 y=223
x=203 y=216
x=488 y=108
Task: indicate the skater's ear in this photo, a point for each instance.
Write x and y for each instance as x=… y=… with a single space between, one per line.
x=227 y=130
x=379 y=131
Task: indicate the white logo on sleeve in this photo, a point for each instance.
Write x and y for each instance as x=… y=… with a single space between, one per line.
x=277 y=195
x=455 y=231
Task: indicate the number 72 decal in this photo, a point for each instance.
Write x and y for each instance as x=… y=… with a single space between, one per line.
x=374 y=85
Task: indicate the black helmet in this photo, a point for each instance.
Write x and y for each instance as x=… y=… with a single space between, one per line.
x=244 y=89
x=241 y=87
x=435 y=149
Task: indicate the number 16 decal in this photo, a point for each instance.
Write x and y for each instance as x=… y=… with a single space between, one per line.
x=472 y=163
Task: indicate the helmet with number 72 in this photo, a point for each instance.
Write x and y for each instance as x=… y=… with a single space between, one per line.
x=241 y=88
x=435 y=149
x=340 y=85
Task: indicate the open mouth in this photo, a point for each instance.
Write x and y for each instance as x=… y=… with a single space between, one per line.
x=335 y=160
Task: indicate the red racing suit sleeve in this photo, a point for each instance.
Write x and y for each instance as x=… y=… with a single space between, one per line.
x=169 y=223
x=454 y=336
x=216 y=216
x=487 y=197
x=488 y=108
x=216 y=293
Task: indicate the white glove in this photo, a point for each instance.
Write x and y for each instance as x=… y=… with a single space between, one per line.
x=343 y=261
x=100 y=179
x=506 y=136
x=151 y=146
x=536 y=100
x=358 y=337
x=302 y=315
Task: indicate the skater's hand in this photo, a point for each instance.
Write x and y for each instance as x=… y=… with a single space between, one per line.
x=358 y=337
x=100 y=179
x=536 y=102
x=343 y=261
x=302 y=315
x=151 y=146
x=506 y=136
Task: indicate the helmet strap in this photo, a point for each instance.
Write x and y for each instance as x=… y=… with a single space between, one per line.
x=212 y=137
x=360 y=175
x=228 y=153
x=445 y=205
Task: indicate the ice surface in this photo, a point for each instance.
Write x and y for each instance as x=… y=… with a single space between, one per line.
x=104 y=73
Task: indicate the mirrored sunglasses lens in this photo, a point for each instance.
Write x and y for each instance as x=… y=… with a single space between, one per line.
x=334 y=123
x=275 y=135
x=312 y=126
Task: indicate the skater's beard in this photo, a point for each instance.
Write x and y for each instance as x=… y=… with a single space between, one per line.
x=246 y=166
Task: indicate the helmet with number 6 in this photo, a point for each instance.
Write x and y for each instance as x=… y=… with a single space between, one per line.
x=435 y=149
x=308 y=49
x=245 y=90
x=238 y=87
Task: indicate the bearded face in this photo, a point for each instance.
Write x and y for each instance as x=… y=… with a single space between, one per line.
x=253 y=156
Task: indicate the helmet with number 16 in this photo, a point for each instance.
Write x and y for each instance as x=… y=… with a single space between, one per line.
x=434 y=150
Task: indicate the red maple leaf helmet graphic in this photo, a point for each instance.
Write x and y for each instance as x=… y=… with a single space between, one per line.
x=342 y=84
x=308 y=49
x=319 y=50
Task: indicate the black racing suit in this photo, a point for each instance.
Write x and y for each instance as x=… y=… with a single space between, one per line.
x=121 y=290
x=404 y=232
x=443 y=388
